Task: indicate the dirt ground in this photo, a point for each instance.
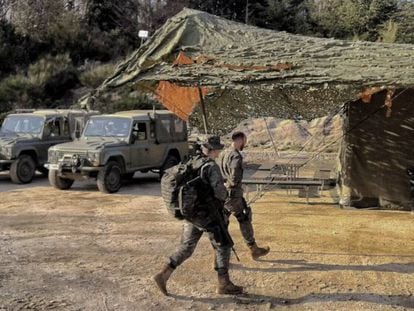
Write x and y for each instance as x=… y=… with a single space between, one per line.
x=82 y=250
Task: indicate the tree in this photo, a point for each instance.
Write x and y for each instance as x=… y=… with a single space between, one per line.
x=289 y=15
x=388 y=33
x=16 y=51
x=404 y=18
x=42 y=19
x=103 y=14
x=250 y=11
x=352 y=19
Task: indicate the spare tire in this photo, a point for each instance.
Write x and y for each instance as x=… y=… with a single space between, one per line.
x=170 y=161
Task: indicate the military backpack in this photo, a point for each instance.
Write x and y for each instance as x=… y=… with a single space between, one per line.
x=180 y=186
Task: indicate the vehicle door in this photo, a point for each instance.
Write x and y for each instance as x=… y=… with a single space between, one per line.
x=55 y=131
x=157 y=148
x=140 y=157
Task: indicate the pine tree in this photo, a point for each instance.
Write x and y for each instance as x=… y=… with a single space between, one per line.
x=102 y=14
x=245 y=11
x=404 y=18
x=289 y=15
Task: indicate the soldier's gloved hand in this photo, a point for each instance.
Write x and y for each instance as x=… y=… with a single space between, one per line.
x=226 y=215
x=226 y=212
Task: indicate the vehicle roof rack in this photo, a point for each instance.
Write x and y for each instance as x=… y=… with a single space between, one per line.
x=24 y=110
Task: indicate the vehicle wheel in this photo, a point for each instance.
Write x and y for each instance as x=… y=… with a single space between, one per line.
x=109 y=178
x=59 y=182
x=169 y=162
x=23 y=169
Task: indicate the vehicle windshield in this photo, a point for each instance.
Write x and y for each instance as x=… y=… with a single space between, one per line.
x=22 y=125
x=108 y=127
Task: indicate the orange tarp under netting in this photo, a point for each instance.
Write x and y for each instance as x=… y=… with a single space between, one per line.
x=180 y=100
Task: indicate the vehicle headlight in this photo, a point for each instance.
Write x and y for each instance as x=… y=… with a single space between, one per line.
x=7 y=151
x=94 y=157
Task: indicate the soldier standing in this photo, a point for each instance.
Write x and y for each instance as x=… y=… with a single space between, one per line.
x=213 y=196
x=232 y=168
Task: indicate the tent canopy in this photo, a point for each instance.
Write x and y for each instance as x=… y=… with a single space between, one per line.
x=247 y=71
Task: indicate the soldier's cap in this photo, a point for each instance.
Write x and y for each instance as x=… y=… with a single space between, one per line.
x=213 y=143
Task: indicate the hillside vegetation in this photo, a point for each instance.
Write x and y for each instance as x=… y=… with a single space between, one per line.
x=52 y=52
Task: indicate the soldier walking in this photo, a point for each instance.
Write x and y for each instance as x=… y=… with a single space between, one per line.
x=212 y=196
x=231 y=164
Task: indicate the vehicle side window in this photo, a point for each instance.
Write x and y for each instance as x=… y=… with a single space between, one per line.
x=140 y=131
x=179 y=126
x=166 y=125
x=152 y=130
x=52 y=128
x=66 y=131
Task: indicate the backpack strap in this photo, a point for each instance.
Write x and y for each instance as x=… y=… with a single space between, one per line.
x=202 y=169
x=199 y=165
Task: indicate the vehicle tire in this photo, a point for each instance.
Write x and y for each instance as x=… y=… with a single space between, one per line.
x=59 y=182
x=23 y=169
x=110 y=177
x=170 y=161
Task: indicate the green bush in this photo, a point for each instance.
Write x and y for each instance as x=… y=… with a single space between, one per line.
x=96 y=75
x=14 y=90
x=44 y=84
x=93 y=44
x=16 y=51
x=126 y=101
x=41 y=71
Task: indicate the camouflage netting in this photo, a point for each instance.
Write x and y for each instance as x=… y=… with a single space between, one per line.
x=246 y=72
x=377 y=151
x=259 y=71
x=225 y=110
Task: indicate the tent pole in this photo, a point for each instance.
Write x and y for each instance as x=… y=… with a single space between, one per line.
x=203 y=109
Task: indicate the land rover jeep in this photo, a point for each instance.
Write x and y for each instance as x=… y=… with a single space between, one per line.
x=26 y=136
x=113 y=147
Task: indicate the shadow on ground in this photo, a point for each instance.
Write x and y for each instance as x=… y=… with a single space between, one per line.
x=6 y=183
x=303 y=265
x=251 y=299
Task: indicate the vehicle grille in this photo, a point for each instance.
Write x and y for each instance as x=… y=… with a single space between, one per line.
x=66 y=155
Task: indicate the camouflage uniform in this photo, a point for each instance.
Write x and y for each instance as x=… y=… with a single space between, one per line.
x=231 y=164
x=192 y=231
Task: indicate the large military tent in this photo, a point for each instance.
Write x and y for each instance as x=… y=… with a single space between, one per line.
x=243 y=71
x=377 y=150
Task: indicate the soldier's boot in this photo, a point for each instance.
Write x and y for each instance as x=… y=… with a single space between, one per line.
x=257 y=251
x=226 y=287
x=162 y=278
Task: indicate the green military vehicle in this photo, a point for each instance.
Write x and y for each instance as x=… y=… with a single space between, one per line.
x=26 y=136
x=114 y=147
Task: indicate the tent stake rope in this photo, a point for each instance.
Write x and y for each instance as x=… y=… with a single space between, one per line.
x=354 y=127
x=271 y=138
x=271 y=181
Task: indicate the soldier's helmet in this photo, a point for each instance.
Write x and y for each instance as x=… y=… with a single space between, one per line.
x=213 y=143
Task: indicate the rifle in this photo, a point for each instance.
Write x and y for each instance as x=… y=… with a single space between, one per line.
x=224 y=234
